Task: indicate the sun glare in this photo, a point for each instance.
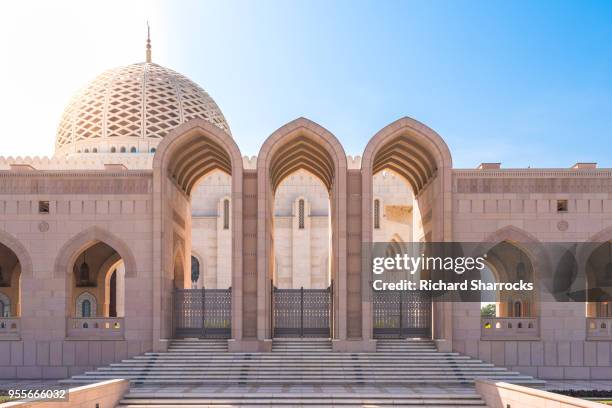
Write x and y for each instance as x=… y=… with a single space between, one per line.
x=50 y=49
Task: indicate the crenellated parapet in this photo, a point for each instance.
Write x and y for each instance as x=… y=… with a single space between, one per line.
x=353 y=162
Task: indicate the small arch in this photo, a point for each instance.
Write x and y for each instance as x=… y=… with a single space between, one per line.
x=133 y=149
x=12 y=243
x=518 y=309
x=94 y=150
x=113 y=149
x=123 y=149
x=152 y=150
x=71 y=249
x=195 y=270
x=86 y=305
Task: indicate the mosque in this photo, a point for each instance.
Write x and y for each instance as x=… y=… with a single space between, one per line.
x=149 y=225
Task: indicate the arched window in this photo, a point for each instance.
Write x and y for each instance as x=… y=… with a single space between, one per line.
x=377 y=214
x=86 y=308
x=195 y=269
x=86 y=305
x=113 y=149
x=517 y=309
x=301 y=214
x=153 y=150
x=133 y=150
x=226 y=215
x=86 y=150
x=123 y=149
x=5 y=306
x=94 y=150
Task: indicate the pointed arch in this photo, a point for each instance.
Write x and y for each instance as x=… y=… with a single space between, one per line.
x=418 y=154
x=195 y=148
x=523 y=240
x=86 y=301
x=72 y=248
x=590 y=245
x=25 y=261
x=421 y=157
x=189 y=152
x=301 y=144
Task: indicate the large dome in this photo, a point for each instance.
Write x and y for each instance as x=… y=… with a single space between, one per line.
x=130 y=109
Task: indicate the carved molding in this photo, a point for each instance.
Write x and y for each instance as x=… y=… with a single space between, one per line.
x=531 y=185
x=89 y=183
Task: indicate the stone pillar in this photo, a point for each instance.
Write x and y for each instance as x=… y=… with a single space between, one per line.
x=120 y=290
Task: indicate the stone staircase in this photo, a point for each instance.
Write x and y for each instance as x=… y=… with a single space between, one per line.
x=302 y=362
x=167 y=400
x=302 y=346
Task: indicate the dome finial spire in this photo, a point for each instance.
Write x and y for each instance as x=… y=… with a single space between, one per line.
x=148 y=43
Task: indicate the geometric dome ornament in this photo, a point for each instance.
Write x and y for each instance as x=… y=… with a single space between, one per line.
x=131 y=109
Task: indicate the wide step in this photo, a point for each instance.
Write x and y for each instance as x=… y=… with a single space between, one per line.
x=300 y=361
x=137 y=399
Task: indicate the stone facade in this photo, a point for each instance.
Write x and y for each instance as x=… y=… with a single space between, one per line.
x=114 y=200
x=94 y=247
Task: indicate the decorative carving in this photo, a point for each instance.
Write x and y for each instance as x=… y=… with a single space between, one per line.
x=43 y=226
x=531 y=185
x=562 y=225
x=76 y=183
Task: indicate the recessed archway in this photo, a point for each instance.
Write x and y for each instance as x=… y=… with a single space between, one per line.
x=93 y=292
x=301 y=145
x=417 y=154
x=10 y=283
x=189 y=153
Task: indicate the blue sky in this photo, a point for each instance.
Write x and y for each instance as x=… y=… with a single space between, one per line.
x=524 y=83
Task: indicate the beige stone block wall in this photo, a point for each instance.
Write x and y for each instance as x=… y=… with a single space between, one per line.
x=562 y=350
x=121 y=218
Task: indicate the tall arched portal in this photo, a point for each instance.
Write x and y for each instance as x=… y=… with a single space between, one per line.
x=187 y=155
x=409 y=150
x=301 y=146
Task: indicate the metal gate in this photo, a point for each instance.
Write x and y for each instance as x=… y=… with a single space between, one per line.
x=302 y=312
x=401 y=314
x=203 y=313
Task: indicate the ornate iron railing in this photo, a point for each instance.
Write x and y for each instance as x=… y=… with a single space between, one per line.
x=401 y=313
x=302 y=312
x=203 y=313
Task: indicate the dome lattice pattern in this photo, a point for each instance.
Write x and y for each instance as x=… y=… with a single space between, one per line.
x=132 y=104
